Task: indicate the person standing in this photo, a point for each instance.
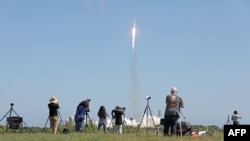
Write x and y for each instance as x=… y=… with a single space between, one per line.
x=117 y=114
x=172 y=111
x=235 y=117
x=81 y=111
x=53 y=114
x=102 y=114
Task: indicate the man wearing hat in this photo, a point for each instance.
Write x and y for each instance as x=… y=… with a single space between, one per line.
x=173 y=105
x=53 y=114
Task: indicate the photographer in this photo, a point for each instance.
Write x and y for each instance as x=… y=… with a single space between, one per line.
x=117 y=114
x=235 y=118
x=173 y=105
x=53 y=114
x=81 y=110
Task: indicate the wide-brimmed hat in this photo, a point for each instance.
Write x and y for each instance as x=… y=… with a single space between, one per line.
x=53 y=99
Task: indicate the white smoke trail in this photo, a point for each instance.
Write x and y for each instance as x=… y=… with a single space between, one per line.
x=135 y=97
x=95 y=7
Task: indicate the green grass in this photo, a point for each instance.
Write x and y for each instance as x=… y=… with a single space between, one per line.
x=101 y=137
x=90 y=134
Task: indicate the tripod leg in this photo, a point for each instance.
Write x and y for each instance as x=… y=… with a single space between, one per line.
x=111 y=122
x=60 y=122
x=141 y=120
x=14 y=112
x=61 y=119
x=126 y=126
x=152 y=117
x=46 y=123
x=88 y=119
x=125 y=123
x=90 y=122
x=5 y=115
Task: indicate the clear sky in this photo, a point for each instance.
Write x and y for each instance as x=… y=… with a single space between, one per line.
x=82 y=49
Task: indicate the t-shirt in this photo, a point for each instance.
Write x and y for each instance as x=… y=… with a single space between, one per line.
x=173 y=103
x=53 y=109
x=235 y=117
x=80 y=112
x=118 y=116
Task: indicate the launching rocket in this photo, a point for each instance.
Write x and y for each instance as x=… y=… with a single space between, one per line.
x=133 y=36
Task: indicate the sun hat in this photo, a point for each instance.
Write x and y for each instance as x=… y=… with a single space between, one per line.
x=53 y=99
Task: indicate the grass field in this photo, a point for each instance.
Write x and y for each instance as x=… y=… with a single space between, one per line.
x=101 y=137
x=90 y=134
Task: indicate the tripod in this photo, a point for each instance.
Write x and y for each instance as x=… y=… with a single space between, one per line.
x=147 y=108
x=125 y=123
x=228 y=120
x=60 y=122
x=88 y=120
x=181 y=128
x=14 y=122
x=10 y=112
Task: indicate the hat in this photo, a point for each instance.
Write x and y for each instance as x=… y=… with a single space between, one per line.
x=53 y=99
x=173 y=89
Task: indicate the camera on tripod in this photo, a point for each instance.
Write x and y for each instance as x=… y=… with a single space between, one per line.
x=11 y=104
x=120 y=108
x=148 y=97
x=85 y=103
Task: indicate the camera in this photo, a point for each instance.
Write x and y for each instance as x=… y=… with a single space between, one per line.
x=148 y=97
x=85 y=103
x=117 y=109
x=88 y=100
x=120 y=108
x=124 y=108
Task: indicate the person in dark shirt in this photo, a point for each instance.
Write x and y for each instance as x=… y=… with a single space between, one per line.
x=117 y=114
x=102 y=114
x=53 y=114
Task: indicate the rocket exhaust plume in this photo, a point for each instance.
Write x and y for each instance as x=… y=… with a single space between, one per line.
x=134 y=96
x=133 y=37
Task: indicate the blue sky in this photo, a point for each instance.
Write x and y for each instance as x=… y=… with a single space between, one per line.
x=82 y=49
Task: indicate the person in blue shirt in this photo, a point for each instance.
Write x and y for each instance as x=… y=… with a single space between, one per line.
x=81 y=110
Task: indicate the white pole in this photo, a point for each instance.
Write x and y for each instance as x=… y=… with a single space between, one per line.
x=180 y=128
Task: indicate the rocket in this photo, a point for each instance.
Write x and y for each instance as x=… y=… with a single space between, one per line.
x=133 y=36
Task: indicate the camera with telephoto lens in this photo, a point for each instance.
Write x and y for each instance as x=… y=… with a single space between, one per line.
x=117 y=109
x=148 y=97
x=120 y=108
x=85 y=103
